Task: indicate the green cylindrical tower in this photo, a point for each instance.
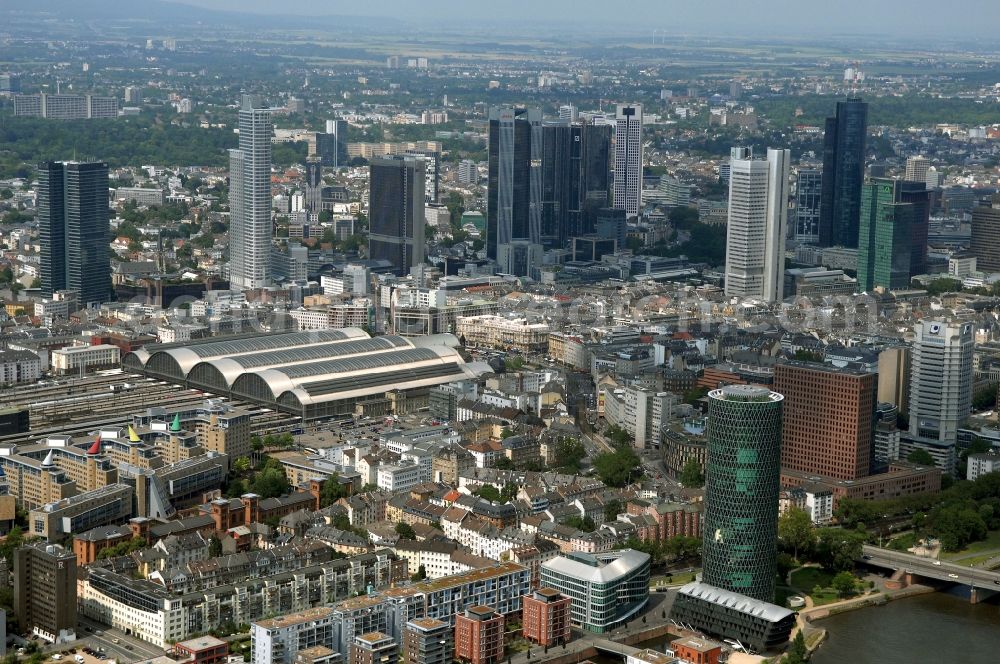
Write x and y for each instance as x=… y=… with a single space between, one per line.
x=742 y=482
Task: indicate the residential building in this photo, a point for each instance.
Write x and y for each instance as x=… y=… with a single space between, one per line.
x=373 y=648
x=641 y=412
x=203 y=650
x=501 y=586
x=479 y=636
x=278 y=640
x=843 y=174
x=828 y=420
x=250 y=229
x=545 y=617
x=808 y=193
x=428 y=641
x=627 y=194
x=18 y=367
x=941 y=379
x=606 y=589
x=45 y=591
x=513 y=210
x=742 y=482
x=73 y=223
x=758 y=219
x=981 y=464
x=396 y=212
x=916 y=169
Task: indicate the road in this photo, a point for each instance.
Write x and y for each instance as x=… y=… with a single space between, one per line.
x=927 y=567
x=105 y=641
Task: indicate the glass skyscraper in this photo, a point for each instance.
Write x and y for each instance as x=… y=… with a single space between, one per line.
x=575 y=179
x=396 y=212
x=843 y=174
x=742 y=482
x=73 y=229
x=513 y=208
x=885 y=241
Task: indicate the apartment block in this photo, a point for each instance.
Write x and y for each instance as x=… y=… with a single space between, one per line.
x=479 y=635
x=545 y=617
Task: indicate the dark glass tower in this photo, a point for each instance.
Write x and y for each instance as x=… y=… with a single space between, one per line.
x=513 y=208
x=575 y=179
x=73 y=229
x=843 y=174
x=396 y=212
x=742 y=482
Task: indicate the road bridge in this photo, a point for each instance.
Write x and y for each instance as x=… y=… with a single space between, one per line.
x=982 y=583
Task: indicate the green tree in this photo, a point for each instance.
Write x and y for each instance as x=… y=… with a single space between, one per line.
x=920 y=456
x=214 y=547
x=691 y=475
x=797 y=652
x=584 y=523
x=694 y=394
x=420 y=574
x=332 y=491
x=489 y=492
x=618 y=436
x=241 y=465
x=569 y=453
x=844 y=583
x=796 y=532
x=236 y=488
x=509 y=492
x=271 y=481
x=838 y=549
x=405 y=531
x=612 y=509
x=619 y=467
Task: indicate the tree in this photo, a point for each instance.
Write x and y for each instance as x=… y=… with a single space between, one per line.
x=838 y=549
x=569 y=453
x=241 y=465
x=489 y=492
x=694 y=394
x=420 y=574
x=618 y=468
x=332 y=491
x=618 y=436
x=236 y=488
x=796 y=532
x=844 y=583
x=271 y=480
x=509 y=492
x=921 y=457
x=214 y=547
x=691 y=475
x=797 y=652
x=612 y=509
x=405 y=531
x=584 y=523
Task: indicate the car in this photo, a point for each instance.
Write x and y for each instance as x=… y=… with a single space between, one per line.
x=937 y=562
x=116 y=640
x=953 y=576
x=866 y=557
x=128 y=646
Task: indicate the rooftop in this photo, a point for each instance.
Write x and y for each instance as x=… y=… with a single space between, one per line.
x=292 y=619
x=590 y=568
x=742 y=603
x=471 y=576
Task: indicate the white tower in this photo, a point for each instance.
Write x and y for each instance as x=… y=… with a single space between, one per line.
x=941 y=379
x=250 y=198
x=628 y=159
x=758 y=221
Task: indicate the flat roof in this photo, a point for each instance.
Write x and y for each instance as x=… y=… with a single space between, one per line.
x=291 y=619
x=201 y=643
x=469 y=577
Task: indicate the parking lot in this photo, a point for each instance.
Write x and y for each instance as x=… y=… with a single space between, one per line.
x=100 y=644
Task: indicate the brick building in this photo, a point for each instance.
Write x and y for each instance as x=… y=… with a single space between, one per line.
x=546 y=617
x=479 y=636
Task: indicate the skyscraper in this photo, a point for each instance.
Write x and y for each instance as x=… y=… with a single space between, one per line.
x=758 y=218
x=628 y=159
x=73 y=229
x=513 y=209
x=985 y=245
x=916 y=169
x=843 y=174
x=312 y=184
x=892 y=246
x=808 y=193
x=331 y=147
x=574 y=179
x=250 y=228
x=45 y=590
x=940 y=379
x=396 y=212
x=742 y=482
x=828 y=418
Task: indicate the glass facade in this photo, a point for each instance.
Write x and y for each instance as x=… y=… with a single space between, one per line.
x=885 y=237
x=843 y=174
x=742 y=482
x=602 y=598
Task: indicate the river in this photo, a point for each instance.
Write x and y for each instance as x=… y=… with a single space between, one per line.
x=926 y=628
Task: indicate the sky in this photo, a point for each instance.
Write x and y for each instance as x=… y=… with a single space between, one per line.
x=791 y=18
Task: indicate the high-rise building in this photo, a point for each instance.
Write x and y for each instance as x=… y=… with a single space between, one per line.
x=312 y=185
x=479 y=635
x=742 y=483
x=575 y=172
x=828 y=418
x=985 y=245
x=892 y=246
x=331 y=147
x=916 y=169
x=468 y=172
x=545 y=617
x=513 y=208
x=758 y=218
x=808 y=193
x=843 y=174
x=373 y=648
x=432 y=166
x=133 y=95
x=428 y=641
x=250 y=228
x=396 y=212
x=894 y=377
x=73 y=229
x=45 y=591
x=940 y=379
x=628 y=159
x=568 y=113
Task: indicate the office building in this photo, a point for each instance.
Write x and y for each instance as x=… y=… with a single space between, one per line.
x=758 y=219
x=759 y=625
x=894 y=377
x=916 y=169
x=250 y=228
x=428 y=641
x=513 y=209
x=331 y=146
x=373 y=648
x=885 y=240
x=843 y=174
x=432 y=171
x=611 y=224
x=985 y=244
x=742 y=476
x=468 y=172
x=545 y=617
x=808 y=193
x=479 y=636
x=641 y=412
x=575 y=179
x=828 y=418
x=605 y=589
x=45 y=591
x=941 y=379
x=628 y=159
x=73 y=229
x=981 y=464
x=396 y=212
x=66 y=107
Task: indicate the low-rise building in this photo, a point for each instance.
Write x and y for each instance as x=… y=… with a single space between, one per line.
x=479 y=635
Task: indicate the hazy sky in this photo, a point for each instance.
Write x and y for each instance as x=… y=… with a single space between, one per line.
x=790 y=17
